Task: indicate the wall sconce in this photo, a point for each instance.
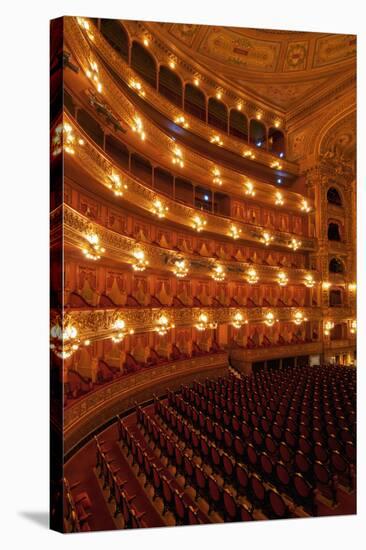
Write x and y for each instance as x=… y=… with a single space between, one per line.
x=178 y=157
x=249 y=154
x=93 y=75
x=249 y=189
x=141 y=263
x=294 y=244
x=199 y=223
x=328 y=326
x=163 y=326
x=196 y=81
x=92 y=250
x=252 y=276
x=279 y=199
x=116 y=185
x=181 y=268
x=238 y=320
x=159 y=209
x=218 y=273
x=326 y=285
x=305 y=206
x=353 y=327
x=63 y=138
x=219 y=93
x=270 y=319
x=136 y=85
x=64 y=339
x=203 y=323
x=181 y=121
x=277 y=123
x=299 y=318
x=217 y=177
x=217 y=140
x=275 y=164
x=258 y=115
x=352 y=287
x=119 y=326
x=309 y=281
x=234 y=232
x=267 y=238
x=282 y=278
x=138 y=127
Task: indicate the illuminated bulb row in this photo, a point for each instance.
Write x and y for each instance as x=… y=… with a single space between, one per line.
x=159 y=209
x=140 y=263
x=199 y=223
x=116 y=185
x=93 y=75
x=181 y=121
x=249 y=189
x=92 y=250
x=178 y=157
x=217 y=140
x=138 y=127
x=136 y=85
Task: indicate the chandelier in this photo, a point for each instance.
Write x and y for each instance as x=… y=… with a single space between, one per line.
x=203 y=323
x=181 y=268
x=328 y=326
x=93 y=75
x=116 y=185
x=294 y=244
x=267 y=238
x=279 y=199
x=178 y=157
x=309 y=281
x=159 y=209
x=199 y=223
x=92 y=250
x=299 y=318
x=235 y=232
x=141 y=263
x=238 y=320
x=282 y=278
x=119 y=326
x=163 y=326
x=64 y=337
x=252 y=276
x=218 y=273
x=270 y=319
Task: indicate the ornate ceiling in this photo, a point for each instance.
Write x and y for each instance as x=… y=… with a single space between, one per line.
x=282 y=67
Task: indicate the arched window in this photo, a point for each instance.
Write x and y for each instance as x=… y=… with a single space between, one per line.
x=194 y=102
x=333 y=232
x=333 y=197
x=238 y=125
x=114 y=32
x=336 y=266
x=170 y=86
x=257 y=134
x=217 y=114
x=335 y=298
x=276 y=142
x=143 y=63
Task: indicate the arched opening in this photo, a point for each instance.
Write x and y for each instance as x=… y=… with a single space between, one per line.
x=117 y=150
x=217 y=114
x=141 y=168
x=335 y=297
x=170 y=86
x=257 y=134
x=334 y=233
x=336 y=266
x=194 y=102
x=276 y=142
x=333 y=197
x=91 y=127
x=116 y=35
x=238 y=125
x=184 y=190
x=163 y=181
x=143 y=63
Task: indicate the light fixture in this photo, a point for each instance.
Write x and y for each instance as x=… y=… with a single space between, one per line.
x=63 y=138
x=199 y=223
x=267 y=238
x=92 y=249
x=64 y=339
x=219 y=94
x=163 y=325
x=217 y=176
x=235 y=232
x=352 y=287
x=218 y=273
x=141 y=263
x=159 y=209
x=178 y=157
x=93 y=75
x=328 y=326
x=181 y=268
x=305 y=206
x=326 y=285
x=282 y=278
x=239 y=106
x=299 y=318
x=136 y=85
x=120 y=331
x=353 y=327
x=238 y=320
x=138 y=127
x=249 y=189
x=252 y=276
x=249 y=154
x=294 y=244
x=116 y=185
x=270 y=319
x=203 y=323
x=181 y=121
x=279 y=199
x=277 y=123
x=279 y=181
x=146 y=42
x=309 y=281
x=196 y=81
x=217 y=140
x=258 y=115
x=84 y=24
x=276 y=165
x=172 y=63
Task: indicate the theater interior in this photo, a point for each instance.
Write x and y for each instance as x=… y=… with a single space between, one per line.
x=203 y=274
